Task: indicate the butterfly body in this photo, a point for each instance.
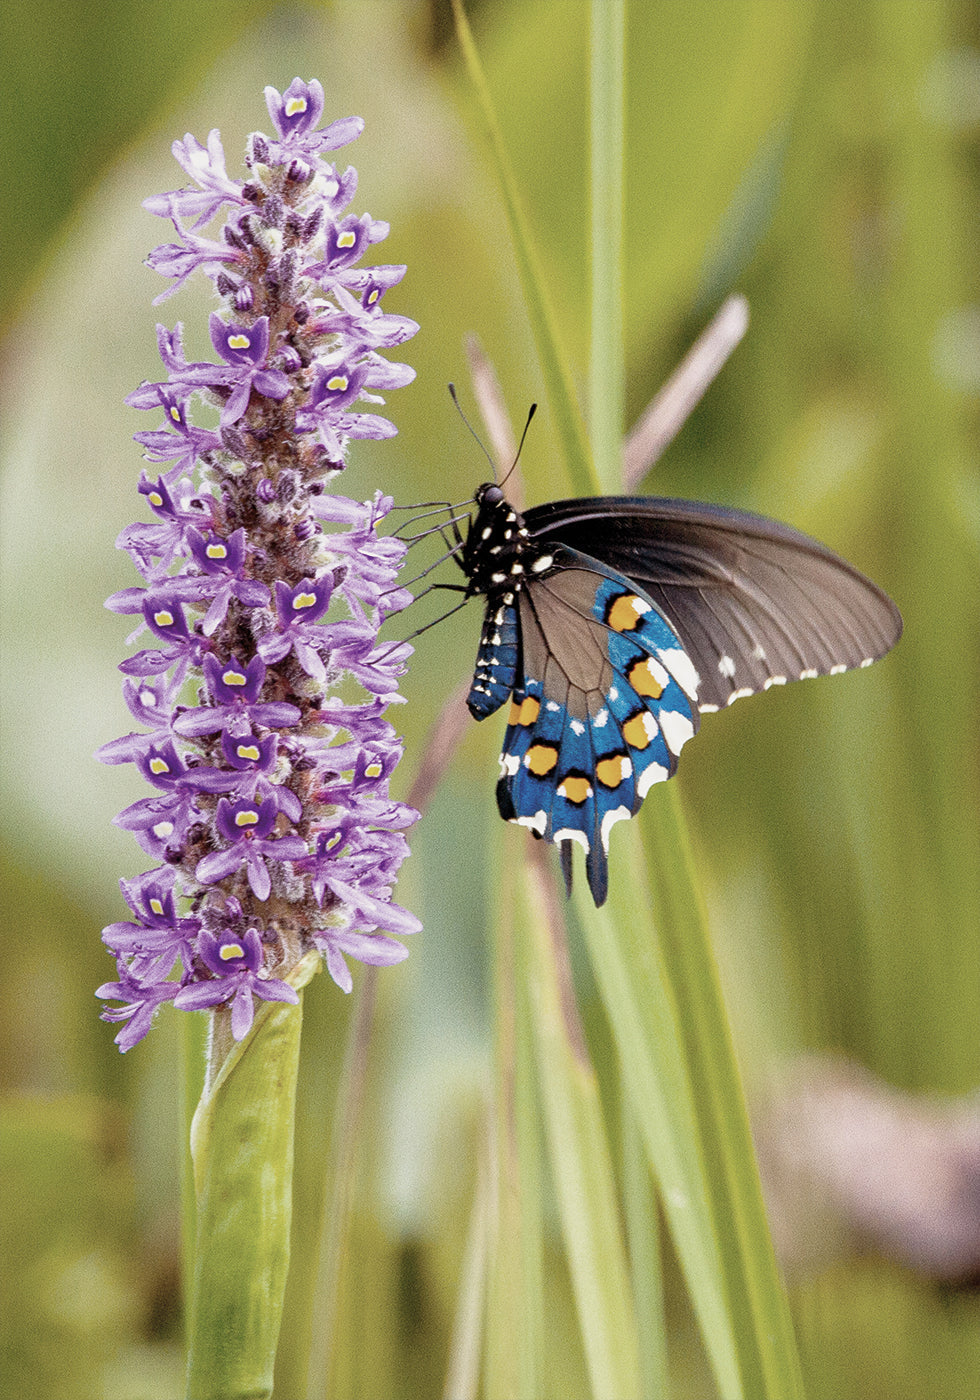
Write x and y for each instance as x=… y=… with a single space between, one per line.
x=614 y=622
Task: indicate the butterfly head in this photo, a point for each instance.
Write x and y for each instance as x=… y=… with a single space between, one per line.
x=494 y=557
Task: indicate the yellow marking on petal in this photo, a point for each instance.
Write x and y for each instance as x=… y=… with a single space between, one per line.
x=540 y=759
x=529 y=710
x=295 y=106
x=304 y=600
x=175 y=413
x=217 y=550
x=647 y=678
x=575 y=789
x=229 y=951
x=374 y=770
x=637 y=730
x=163 y=618
x=156 y=906
x=249 y=752
x=231 y=677
x=372 y=297
x=626 y=612
x=338 y=383
x=347 y=239
x=154 y=498
x=239 y=342
x=247 y=818
x=612 y=771
x=159 y=765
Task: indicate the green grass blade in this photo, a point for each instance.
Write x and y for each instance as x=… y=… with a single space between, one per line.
x=515 y=1284
x=756 y=1296
x=643 y=1240
x=633 y=983
x=606 y=371
x=554 y=366
x=579 y=1153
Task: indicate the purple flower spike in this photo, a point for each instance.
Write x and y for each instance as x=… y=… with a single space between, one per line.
x=260 y=594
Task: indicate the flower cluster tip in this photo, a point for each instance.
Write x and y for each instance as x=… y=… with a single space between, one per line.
x=262 y=594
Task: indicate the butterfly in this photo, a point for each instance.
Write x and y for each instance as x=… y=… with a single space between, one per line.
x=614 y=622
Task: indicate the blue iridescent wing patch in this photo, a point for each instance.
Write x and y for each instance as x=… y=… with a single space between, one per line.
x=605 y=700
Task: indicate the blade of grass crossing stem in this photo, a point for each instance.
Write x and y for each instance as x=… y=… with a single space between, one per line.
x=557 y=375
x=579 y=1153
x=643 y=1017
x=606 y=370
x=515 y=1286
x=757 y=1298
x=242 y=1143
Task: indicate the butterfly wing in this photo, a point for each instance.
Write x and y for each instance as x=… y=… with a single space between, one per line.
x=754 y=602
x=604 y=699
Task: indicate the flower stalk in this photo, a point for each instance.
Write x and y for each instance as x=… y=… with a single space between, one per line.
x=275 y=838
x=262 y=592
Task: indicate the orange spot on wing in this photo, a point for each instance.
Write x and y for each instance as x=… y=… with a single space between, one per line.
x=635 y=730
x=530 y=709
x=625 y=613
x=540 y=759
x=644 y=680
x=575 y=789
x=612 y=771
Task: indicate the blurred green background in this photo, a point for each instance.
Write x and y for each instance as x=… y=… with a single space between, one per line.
x=820 y=158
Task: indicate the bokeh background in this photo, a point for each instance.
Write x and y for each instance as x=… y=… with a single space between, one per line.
x=821 y=159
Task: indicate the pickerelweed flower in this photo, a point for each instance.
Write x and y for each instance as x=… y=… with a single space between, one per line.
x=270 y=816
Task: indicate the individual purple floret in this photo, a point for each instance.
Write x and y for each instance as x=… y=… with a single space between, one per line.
x=261 y=593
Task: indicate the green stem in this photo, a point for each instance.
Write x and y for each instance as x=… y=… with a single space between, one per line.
x=242 y=1146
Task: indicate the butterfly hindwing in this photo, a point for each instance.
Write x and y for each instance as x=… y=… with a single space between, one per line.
x=605 y=703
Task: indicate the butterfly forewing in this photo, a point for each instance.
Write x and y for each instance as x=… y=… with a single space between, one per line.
x=754 y=602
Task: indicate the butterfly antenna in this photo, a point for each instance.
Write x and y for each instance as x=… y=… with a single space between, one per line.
x=517 y=455
x=472 y=431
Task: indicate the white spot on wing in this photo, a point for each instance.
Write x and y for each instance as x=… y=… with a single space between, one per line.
x=655 y=773
x=770 y=681
x=809 y=675
x=739 y=695
x=576 y=726
x=509 y=764
x=536 y=823
x=681 y=667
x=619 y=814
x=601 y=719
x=837 y=670
x=566 y=834
x=726 y=666
x=677 y=729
